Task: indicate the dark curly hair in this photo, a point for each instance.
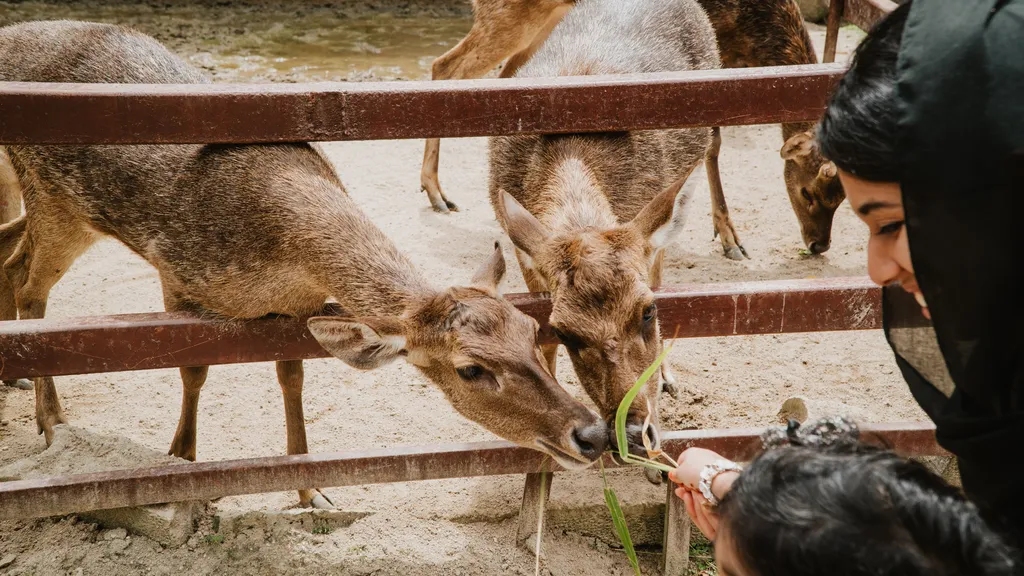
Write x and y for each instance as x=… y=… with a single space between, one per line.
x=845 y=508
x=859 y=129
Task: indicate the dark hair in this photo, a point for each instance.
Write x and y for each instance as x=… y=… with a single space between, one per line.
x=844 y=508
x=858 y=131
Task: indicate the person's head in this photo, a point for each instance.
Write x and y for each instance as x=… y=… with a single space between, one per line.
x=844 y=508
x=859 y=134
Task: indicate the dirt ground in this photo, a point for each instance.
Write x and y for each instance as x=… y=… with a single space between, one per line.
x=459 y=527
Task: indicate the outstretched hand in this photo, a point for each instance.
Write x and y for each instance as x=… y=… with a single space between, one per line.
x=687 y=475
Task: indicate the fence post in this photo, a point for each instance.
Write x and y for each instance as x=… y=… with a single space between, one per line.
x=538 y=487
x=835 y=21
x=676 y=545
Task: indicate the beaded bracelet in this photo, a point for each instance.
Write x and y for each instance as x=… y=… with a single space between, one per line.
x=708 y=475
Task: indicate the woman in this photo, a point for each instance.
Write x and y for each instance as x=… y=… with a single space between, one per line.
x=927 y=130
x=817 y=502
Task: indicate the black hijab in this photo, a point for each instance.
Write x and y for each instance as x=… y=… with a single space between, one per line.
x=961 y=142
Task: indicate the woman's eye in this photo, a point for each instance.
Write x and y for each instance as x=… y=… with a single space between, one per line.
x=470 y=372
x=650 y=313
x=891 y=228
x=807 y=195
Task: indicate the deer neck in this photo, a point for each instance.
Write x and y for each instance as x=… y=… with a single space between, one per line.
x=575 y=199
x=361 y=267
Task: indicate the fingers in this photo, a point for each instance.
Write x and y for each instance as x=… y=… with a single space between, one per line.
x=697 y=510
x=707 y=520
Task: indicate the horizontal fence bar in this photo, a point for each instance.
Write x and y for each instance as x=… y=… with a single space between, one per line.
x=52 y=113
x=864 y=14
x=85 y=345
x=207 y=480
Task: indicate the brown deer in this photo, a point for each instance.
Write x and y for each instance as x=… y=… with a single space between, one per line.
x=755 y=33
x=246 y=231
x=591 y=214
x=749 y=33
x=515 y=30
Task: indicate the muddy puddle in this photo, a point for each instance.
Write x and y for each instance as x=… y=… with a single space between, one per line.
x=281 y=42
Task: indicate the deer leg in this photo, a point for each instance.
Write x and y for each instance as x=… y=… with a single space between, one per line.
x=494 y=37
x=32 y=269
x=668 y=380
x=184 y=443
x=10 y=235
x=719 y=210
x=290 y=377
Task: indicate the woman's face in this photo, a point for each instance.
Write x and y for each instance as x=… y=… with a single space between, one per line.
x=880 y=206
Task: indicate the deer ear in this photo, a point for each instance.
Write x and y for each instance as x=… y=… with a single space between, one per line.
x=526 y=232
x=665 y=215
x=488 y=276
x=799 y=144
x=364 y=343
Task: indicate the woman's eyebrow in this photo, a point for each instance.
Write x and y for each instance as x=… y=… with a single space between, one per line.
x=870 y=207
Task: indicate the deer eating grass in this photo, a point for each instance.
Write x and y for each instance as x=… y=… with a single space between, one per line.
x=591 y=214
x=243 y=231
x=749 y=33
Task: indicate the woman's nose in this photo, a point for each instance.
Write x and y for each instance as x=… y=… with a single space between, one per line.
x=882 y=266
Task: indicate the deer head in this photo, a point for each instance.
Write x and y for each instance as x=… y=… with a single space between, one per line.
x=814 y=190
x=603 y=308
x=483 y=354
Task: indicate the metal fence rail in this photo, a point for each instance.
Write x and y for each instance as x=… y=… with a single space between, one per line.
x=207 y=480
x=51 y=113
x=56 y=347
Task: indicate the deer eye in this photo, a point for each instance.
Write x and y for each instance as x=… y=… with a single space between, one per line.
x=470 y=373
x=650 y=313
x=568 y=340
x=807 y=196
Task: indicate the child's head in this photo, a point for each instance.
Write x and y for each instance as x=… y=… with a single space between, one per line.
x=822 y=503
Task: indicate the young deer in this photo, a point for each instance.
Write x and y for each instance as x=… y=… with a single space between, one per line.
x=749 y=33
x=772 y=33
x=246 y=231
x=591 y=214
x=515 y=30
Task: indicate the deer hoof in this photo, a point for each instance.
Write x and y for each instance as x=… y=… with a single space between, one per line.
x=320 y=501
x=20 y=384
x=736 y=253
x=655 y=476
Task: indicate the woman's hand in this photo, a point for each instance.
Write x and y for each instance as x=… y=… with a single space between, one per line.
x=702 y=514
x=687 y=475
x=691 y=462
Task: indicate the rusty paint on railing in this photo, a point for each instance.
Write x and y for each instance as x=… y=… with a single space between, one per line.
x=207 y=480
x=85 y=345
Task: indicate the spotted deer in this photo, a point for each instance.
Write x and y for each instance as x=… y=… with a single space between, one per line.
x=591 y=214
x=243 y=231
x=749 y=33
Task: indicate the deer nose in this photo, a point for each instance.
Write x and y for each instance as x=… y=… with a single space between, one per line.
x=591 y=440
x=818 y=247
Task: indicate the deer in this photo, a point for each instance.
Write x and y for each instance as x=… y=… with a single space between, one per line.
x=772 y=33
x=590 y=215
x=245 y=231
x=515 y=30
x=748 y=32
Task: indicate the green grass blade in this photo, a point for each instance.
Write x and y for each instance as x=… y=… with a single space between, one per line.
x=627 y=401
x=619 y=523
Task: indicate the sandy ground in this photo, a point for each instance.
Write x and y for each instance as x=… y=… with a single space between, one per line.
x=441 y=527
